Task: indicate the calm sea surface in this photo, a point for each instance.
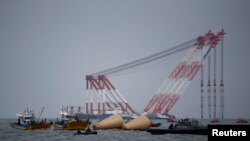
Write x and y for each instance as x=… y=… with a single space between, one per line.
x=9 y=134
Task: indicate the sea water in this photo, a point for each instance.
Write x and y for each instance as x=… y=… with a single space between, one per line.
x=7 y=133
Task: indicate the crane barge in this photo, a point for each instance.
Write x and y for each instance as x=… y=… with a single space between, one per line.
x=109 y=99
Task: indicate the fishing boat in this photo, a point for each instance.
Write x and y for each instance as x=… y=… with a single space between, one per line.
x=27 y=121
x=183 y=126
x=70 y=121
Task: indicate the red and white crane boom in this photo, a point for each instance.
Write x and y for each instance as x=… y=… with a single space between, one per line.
x=172 y=88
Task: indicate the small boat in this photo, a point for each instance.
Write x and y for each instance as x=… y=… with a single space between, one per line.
x=27 y=121
x=87 y=132
x=241 y=120
x=184 y=126
x=70 y=121
x=215 y=120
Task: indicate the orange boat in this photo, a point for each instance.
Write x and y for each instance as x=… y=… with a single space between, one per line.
x=32 y=126
x=69 y=121
x=72 y=125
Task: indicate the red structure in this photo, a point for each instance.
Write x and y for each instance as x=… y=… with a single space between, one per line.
x=174 y=86
x=108 y=95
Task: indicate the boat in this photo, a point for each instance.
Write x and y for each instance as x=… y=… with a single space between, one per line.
x=107 y=113
x=183 y=126
x=27 y=121
x=215 y=120
x=70 y=121
x=159 y=116
x=87 y=132
x=129 y=116
x=241 y=120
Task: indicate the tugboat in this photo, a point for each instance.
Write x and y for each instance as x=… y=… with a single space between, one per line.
x=70 y=121
x=27 y=121
x=183 y=126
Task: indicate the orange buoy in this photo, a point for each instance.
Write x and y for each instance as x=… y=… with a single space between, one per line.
x=140 y=123
x=114 y=121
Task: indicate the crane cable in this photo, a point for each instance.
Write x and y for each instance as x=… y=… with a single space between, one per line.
x=148 y=59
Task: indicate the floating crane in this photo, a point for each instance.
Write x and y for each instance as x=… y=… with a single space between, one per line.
x=172 y=88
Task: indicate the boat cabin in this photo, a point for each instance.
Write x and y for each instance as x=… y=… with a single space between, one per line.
x=27 y=117
x=187 y=123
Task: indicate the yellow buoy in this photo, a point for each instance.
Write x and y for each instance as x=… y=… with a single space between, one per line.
x=140 y=123
x=114 y=121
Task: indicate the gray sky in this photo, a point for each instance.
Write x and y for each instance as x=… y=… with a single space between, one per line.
x=48 y=46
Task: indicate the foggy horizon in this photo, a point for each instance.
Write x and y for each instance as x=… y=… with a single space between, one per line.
x=48 y=47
